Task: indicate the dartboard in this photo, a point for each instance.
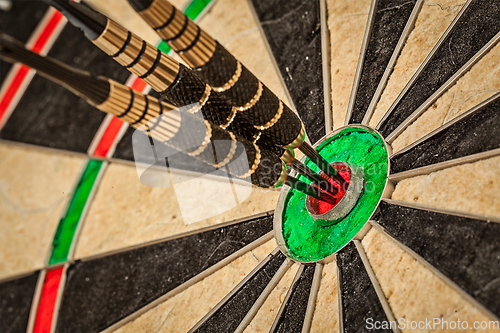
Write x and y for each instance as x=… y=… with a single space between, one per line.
x=405 y=90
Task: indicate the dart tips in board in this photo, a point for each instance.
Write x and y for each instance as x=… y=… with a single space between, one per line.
x=90 y=22
x=140 y=5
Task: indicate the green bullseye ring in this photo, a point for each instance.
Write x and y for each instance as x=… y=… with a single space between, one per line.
x=297 y=234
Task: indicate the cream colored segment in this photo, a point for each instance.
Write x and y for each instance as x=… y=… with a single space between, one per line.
x=34 y=189
x=124 y=212
x=183 y=311
x=326 y=314
x=231 y=23
x=264 y=318
x=431 y=23
x=471 y=188
x=346 y=22
x=413 y=291
x=477 y=85
x=152 y=320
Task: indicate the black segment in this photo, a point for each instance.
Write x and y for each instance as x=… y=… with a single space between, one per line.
x=474 y=134
x=15 y=303
x=48 y=114
x=477 y=26
x=228 y=317
x=293 y=30
x=466 y=250
x=100 y=292
x=20 y=12
x=389 y=22
x=292 y=318
x=360 y=302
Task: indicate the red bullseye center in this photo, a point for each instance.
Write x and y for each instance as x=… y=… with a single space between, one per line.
x=321 y=207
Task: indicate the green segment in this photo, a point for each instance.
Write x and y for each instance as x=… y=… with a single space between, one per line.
x=195 y=8
x=192 y=11
x=69 y=223
x=163 y=47
x=307 y=241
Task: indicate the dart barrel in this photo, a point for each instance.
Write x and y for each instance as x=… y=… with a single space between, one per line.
x=226 y=75
x=194 y=136
x=176 y=127
x=174 y=81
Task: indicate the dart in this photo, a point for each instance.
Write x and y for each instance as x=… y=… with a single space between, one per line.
x=225 y=74
x=181 y=86
x=165 y=122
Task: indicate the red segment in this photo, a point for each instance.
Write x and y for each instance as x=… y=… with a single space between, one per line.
x=321 y=207
x=138 y=85
x=12 y=90
x=108 y=138
x=46 y=306
x=47 y=32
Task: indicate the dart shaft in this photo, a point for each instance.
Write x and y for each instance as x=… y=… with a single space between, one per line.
x=309 y=190
x=322 y=164
x=313 y=177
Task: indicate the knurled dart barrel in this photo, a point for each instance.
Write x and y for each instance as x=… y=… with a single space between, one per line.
x=195 y=136
x=250 y=98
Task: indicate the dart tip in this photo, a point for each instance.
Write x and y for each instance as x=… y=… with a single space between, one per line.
x=140 y=5
x=90 y=22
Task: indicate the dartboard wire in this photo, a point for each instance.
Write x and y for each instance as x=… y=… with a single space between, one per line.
x=424 y=64
x=41 y=293
x=376 y=285
x=265 y=293
x=397 y=177
x=392 y=63
x=182 y=235
x=339 y=296
x=60 y=292
x=235 y=290
x=289 y=100
x=436 y=272
x=481 y=217
x=313 y=295
x=447 y=85
x=448 y=124
x=36 y=300
x=326 y=60
x=288 y=295
x=361 y=60
x=197 y=278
